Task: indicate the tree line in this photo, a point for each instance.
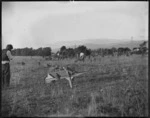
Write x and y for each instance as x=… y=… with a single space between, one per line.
x=72 y=52
x=65 y=52
x=46 y=51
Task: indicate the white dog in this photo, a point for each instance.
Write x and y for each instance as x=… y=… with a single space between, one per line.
x=70 y=76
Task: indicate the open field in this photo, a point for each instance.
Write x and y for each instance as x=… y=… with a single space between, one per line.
x=113 y=86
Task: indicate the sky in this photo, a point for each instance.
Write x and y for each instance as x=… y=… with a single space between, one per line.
x=53 y=24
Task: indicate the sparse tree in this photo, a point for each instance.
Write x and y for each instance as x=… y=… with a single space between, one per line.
x=143 y=47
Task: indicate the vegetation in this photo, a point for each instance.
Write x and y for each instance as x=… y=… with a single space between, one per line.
x=71 y=53
x=46 y=51
x=113 y=86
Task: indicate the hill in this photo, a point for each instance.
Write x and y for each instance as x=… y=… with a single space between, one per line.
x=129 y=44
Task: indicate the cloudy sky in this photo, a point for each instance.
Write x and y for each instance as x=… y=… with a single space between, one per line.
x=40 y=24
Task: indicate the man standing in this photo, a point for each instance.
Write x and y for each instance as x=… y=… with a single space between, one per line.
x=6 y=57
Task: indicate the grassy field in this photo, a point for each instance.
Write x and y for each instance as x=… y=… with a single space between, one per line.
x=113 y=86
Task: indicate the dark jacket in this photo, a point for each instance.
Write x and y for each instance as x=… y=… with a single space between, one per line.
x=4 y=55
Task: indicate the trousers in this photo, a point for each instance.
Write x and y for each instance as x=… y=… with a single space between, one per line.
x=5 y=75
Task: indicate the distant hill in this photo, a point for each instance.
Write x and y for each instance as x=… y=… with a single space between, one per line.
x=129 y=44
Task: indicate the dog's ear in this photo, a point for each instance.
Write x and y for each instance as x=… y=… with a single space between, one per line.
x=51 y=75
x=58 y=76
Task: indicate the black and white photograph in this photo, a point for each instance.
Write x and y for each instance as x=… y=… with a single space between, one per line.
x=74 y=58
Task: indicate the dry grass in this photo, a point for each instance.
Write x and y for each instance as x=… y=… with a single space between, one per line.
x=114 y=86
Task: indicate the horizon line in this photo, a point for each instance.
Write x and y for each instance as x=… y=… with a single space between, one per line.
x=75 y=45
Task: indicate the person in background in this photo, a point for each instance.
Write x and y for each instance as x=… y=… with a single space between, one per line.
x=6 y=57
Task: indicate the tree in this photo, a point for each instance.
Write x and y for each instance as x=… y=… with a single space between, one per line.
x=46 y=51
x=39 y=52
x=62 y=48
x=70 y=52
x=88 y=52
x=18 y=52
x=82 y=48
x=30 y=52
x=114 y=49
x=143 y=47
